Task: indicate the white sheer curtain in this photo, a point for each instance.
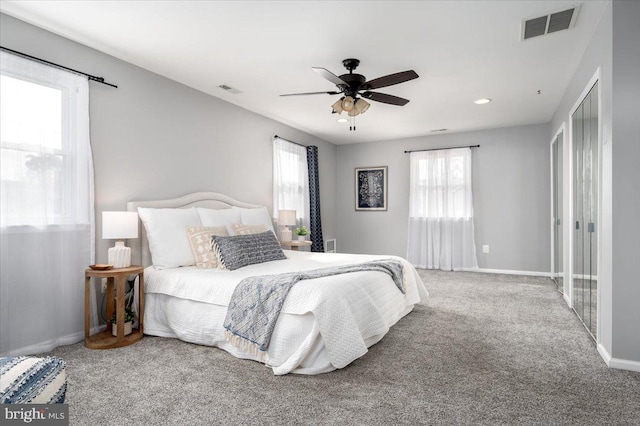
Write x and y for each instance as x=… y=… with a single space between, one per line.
x=47 y=214
x=290 y=179
x=441 y=210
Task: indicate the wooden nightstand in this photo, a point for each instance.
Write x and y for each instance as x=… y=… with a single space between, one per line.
x=294 y=244
x=105 y=339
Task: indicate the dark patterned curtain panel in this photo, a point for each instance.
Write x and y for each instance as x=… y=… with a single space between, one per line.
x=314 y=200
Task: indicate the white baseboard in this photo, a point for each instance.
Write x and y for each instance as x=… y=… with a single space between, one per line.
x=624 y=364
x=509 y=272
x=604 y=354
x=617 y=363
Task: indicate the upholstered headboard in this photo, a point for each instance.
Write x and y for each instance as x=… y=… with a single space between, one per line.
x=140 y=254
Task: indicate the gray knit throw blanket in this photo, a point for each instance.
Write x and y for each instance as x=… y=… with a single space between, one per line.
x=257 y=301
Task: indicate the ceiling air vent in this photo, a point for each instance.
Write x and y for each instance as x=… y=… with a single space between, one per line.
x=229 y=89
x=557 y=21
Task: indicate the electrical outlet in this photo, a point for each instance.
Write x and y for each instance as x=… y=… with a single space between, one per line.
x=485 y=248
x=104 y=286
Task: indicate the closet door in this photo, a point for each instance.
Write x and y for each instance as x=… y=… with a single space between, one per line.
x=578 y=212
x=585 y=208
x=592 y=224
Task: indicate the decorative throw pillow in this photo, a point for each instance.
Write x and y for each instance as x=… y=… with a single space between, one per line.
x=168 y=243
x=201 y=244
x=240 y=229
x=243 y=250
x=32 y=380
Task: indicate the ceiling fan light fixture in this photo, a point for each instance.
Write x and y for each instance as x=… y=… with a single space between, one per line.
x=348 y=103
x=342 y=120
x=337 y=107
x=362 y=106
x=352 y=85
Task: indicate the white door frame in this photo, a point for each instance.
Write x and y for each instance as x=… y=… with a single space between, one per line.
x=596 y=78
x=561 y=130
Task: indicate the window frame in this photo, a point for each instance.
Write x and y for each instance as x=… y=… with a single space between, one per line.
x=423 y=188
x=302 y=188
x=67 y=204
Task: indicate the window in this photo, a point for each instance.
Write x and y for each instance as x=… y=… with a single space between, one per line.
x=290 y=179
x=46 y=206
x=441 y=184
x=39 y=149
x=441 y=232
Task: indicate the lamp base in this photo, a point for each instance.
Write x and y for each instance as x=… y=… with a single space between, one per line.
x=119 y=255
x=285 y=234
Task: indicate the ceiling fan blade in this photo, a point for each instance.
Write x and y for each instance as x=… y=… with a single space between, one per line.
x=385 y=99
x=330 y=76
x=312 y=93
x=390 y=80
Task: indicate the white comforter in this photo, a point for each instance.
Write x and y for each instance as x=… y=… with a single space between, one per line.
x=325 y=323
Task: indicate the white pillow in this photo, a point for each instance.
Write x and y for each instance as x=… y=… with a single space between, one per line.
x=259 y=216
x=241 y=229
x=222 y=217
x=167 y=237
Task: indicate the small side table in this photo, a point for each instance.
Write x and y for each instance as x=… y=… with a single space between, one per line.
x=117 y=276
x=294 y=244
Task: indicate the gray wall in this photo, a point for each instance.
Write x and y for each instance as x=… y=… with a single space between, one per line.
x=597 y=55
x=615 y=49
x=626 y=180
x=511 y=181
x=153 y=138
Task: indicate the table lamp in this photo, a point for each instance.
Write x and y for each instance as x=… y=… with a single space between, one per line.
x=119 y=226
x=286 y=218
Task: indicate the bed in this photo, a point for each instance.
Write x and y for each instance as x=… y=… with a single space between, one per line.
x=325 y=323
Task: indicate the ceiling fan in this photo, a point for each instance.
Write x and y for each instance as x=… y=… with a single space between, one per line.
x=353 y=85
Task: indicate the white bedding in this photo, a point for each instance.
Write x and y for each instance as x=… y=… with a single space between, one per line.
x=325 y=323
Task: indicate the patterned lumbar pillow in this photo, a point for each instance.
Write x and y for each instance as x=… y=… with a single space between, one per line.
x=31 y=380
x=201 y=244
x=243 y=250
x=240 y=229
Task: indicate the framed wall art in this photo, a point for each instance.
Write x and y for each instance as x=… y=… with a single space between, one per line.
x=371 y=188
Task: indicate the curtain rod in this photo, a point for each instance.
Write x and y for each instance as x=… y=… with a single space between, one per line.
x=295 y=143
x=438 y=149
x=42 y=61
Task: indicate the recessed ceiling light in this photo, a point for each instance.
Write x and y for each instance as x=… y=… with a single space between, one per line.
x=482 y=101
x=342 y=120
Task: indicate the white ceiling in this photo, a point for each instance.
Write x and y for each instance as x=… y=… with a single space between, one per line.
x=462 y=50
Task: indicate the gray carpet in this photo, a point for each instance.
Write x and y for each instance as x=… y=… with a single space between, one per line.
x=485 y=349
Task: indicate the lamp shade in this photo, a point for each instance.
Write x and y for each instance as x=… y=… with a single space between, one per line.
x=362 y=106
x=337 y=106
x=286 y=217
x=348 y=103
x=119 y=225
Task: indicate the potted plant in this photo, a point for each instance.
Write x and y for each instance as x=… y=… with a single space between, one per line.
x=129 y=316
x=302 y=233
